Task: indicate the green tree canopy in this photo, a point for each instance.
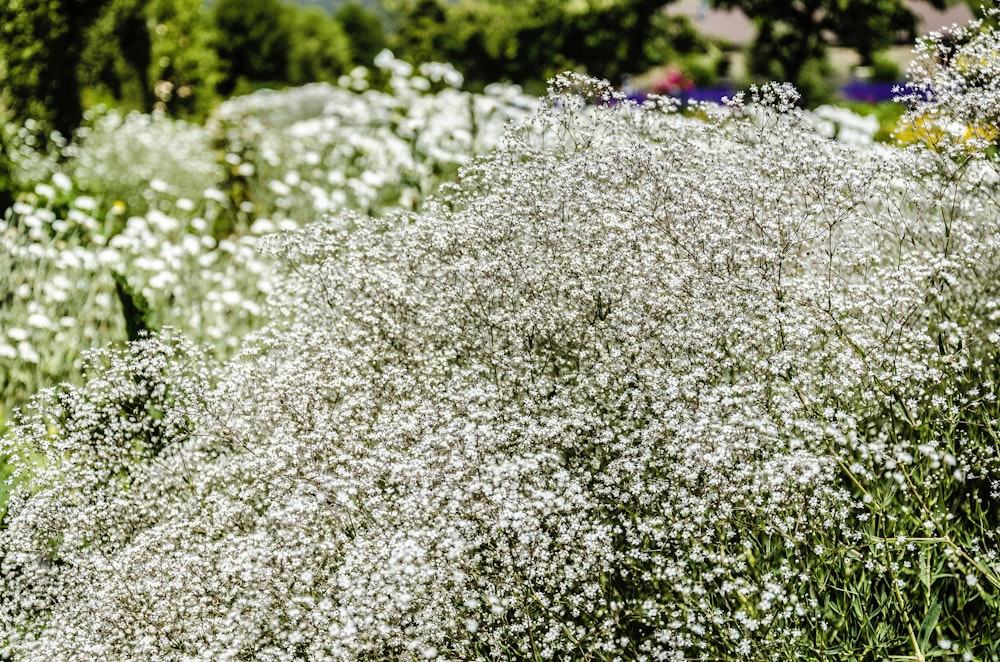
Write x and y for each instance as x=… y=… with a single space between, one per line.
x=420 y=33
x=793 y=35
x=253 y=41
x=41 y=42
x=528 y=40
x=319 y=51
x=148 y=54
x=365 y=29
x=117 y=55
x=184 y=69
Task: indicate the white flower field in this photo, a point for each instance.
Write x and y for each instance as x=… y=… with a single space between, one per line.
x=425 y=374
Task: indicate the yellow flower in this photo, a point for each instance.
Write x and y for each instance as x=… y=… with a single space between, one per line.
x=920 y=131
x=987 y=133
x=930 y=133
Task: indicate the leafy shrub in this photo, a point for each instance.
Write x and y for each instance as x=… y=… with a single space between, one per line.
x=884 y=68
x=253 y=41
x=366 y=30
x=319 y=49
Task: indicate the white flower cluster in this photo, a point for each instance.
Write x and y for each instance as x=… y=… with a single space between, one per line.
x=846 y=126
x=175 y=209
x=955 y=100
x=594 y=401
x=140 y=161
x=322 y=148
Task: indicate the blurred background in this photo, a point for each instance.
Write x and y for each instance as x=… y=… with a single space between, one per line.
x=58 y=57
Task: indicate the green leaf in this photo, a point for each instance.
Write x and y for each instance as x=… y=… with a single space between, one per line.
x=930 y=621
x=925 y=570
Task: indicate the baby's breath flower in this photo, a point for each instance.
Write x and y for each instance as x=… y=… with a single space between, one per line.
x=620 y=391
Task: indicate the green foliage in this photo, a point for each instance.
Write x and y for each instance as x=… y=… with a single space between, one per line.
x=265 y=43
x=319 y=49
x=139 y=54
x=253 y=41
x=527 y=42
x=184 y=68
x=922 y=575
x=793 y=38
x=885 y=69
x=41 y=42
x=814 y=82
x=420 y=34
x=117 y=56
x=674 y=36
x=494 y=41
x=869 y=26
x=366 y=32
x=608 y=39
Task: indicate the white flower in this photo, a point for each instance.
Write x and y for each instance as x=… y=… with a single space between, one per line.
x=231 y=298
x=17 y=333
x=109 y=257
x=61 y=181
x=39 y=321
x=85 y=202
x=45 y=191
x=26 y=352
x=606 y=394
x=262 y=226
x=214 y=194
x=279 y=187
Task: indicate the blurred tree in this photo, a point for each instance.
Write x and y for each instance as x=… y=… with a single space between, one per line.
x=253 y=42
x=184 y=69
x=365 y=30
x=117 y=56
x=319 y=49
x=608 y=38
x=146 y=54
x=870 y=26
x=673 y=36
x=421 y=31
x=526 y=41
x=7 y=183
x=793 y=36
x=675 y=41
x=41 y=43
